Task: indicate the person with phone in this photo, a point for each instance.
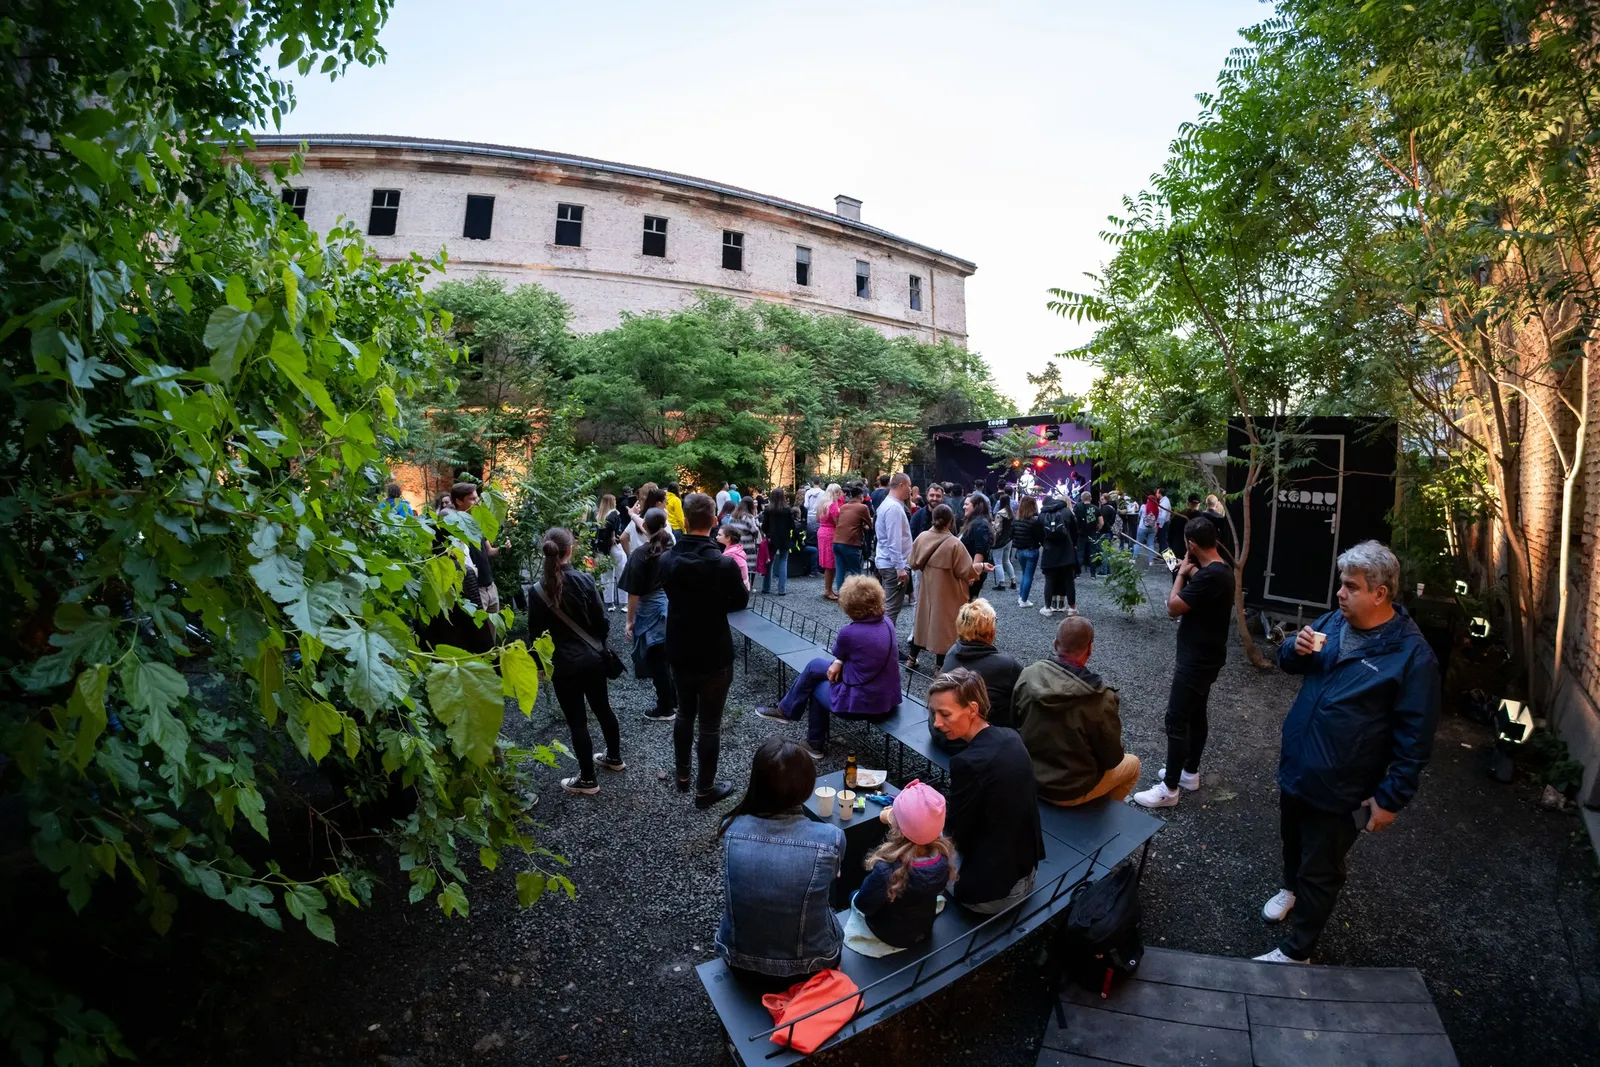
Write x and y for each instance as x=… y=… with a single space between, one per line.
x=1355 y=741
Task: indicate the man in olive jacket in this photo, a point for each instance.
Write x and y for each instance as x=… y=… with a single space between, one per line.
x=1069 y=721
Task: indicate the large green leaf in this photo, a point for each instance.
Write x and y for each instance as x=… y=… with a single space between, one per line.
x=151 y=685
x=166 y=731
x=87 y=705
x=466 y=696
x=230 y=333
x=371 y=682
x=520 y=675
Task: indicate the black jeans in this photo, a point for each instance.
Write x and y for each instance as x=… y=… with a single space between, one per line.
x=1315 y=843
x=1187 y=727
x=701 y=696
x=1059 y=582
x=655 y=661
x=572 y=689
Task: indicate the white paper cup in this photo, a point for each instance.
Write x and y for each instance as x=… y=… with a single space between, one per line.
x=1318 y=639
x=847 y=804
x=825 y=800
x=1420 y=588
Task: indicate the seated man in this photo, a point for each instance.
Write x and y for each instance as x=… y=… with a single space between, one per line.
x=1068 y=719
x=861 y=680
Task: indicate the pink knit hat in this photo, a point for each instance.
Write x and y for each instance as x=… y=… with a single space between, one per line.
x=919 y=813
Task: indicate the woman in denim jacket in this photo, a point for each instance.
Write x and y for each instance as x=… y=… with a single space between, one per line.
x=777 y=926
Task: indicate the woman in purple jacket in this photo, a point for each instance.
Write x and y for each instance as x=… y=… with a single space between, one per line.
x=863 y=677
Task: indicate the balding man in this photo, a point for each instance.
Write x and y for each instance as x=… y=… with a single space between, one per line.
x=894 y=546
x=1070 y=722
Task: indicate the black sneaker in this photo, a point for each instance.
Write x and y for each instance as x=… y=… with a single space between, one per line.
x=611 y=764
x=578 y=785
x=720 y=791
x=660 y=715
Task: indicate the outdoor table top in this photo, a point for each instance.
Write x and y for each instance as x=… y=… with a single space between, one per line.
x=869 y=816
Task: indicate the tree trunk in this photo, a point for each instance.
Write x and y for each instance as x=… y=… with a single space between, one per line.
x=1568 y=485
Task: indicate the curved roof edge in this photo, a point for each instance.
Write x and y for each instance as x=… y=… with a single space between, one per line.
x=365 y=140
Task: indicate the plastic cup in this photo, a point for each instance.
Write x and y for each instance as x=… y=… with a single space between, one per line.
x=847 y=804
x=1421 y=588
x=1318 y=639
x=825 y=800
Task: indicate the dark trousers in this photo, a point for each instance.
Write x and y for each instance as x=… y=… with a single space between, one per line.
x=573 y=688
x=1187 y=726
x=1086 y=553
x=655 y=661
x=975 y=588
x=846 y=563
x=1315 y=843
x=1058 y=581
x=701 y=696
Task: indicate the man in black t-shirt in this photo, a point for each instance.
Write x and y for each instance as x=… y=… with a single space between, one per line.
x=1201 y=598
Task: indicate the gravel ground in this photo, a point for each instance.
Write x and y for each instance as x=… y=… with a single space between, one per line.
x=1494 y=900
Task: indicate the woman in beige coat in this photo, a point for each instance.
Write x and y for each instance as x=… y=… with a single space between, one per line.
x=947 y=569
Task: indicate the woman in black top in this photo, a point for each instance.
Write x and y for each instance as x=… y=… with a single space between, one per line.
x=577 y=669
x=978 y=537
x=1058 y=556
x=1027 y=535
x=647 y=614
x=1005 y=556
x=777 y=526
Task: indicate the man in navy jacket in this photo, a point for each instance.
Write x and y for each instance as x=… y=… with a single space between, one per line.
x=1355 y=741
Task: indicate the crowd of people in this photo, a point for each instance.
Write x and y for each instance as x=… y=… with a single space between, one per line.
x=1354 y=742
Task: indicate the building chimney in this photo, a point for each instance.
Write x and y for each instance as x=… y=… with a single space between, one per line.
x=847 y=207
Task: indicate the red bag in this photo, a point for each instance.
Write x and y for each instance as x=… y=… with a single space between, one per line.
x=763 y=557
x=803 y=998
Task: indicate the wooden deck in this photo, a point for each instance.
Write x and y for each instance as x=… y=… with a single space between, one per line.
x=1188 y=1010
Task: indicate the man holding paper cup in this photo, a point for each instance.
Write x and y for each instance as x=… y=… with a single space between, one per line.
x=1355 y=741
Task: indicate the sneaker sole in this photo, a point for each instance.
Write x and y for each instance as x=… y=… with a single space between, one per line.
x=579 y=790
x=661 y=718
x=620 y=766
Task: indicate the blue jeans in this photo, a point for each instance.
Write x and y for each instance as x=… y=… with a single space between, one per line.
x=1147 y=540
x=779 y=564
x=812 y=692
x=812 y=570
x=846 y=561
x=1029 y=560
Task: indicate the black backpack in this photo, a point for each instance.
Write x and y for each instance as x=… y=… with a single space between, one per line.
x=1101 y=941
x=1056 y=523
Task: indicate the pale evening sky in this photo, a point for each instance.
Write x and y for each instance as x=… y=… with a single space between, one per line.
x=1003 y=133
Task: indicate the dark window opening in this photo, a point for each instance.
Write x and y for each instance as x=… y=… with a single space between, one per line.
x=802 y=265
x=655 y=236
x=480 y=218
x=863 y=279
x=916 y=293
x=732 y=250
x=295 y=199
x=385 y=213
x=569 y=225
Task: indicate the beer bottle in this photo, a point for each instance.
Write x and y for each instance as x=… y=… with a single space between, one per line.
x=850 y=771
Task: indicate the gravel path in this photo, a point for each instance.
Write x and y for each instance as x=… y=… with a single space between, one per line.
x=1494 y=900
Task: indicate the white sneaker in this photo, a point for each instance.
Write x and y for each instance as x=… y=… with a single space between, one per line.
x=1188 y=781
x=1071 y=612
x=1277 y=956
x=1024 y=603
x=1276 y=909
x=1157 y=796
x=1046 y=612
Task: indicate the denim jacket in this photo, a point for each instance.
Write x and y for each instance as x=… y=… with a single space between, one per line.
x=777 y=873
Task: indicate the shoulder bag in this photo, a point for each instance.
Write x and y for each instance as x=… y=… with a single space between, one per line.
x=608 y=659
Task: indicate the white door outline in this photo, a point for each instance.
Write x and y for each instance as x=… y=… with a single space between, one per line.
x=1338 y=509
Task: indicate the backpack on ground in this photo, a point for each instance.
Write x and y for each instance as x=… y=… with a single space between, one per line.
x=1101 y=941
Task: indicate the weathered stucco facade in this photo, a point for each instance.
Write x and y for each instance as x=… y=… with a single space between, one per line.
x=607 y=271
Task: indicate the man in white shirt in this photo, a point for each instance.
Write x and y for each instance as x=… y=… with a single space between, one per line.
x=893 y=557
x=1163 y=516
x=722 y=497
x=813 y=494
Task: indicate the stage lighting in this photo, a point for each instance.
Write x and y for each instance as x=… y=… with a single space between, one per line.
x=1479 y=627
x=1039 y=464
x=1514 y=722
x=1461 y=588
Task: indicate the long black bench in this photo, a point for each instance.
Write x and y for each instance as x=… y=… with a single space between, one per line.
x=1081 y=844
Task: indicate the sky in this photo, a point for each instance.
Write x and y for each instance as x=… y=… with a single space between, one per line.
x=1003 y=132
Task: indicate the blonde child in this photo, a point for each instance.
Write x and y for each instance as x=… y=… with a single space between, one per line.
x=906 y=873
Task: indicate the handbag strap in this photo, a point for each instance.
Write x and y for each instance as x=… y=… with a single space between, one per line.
x=555 y=609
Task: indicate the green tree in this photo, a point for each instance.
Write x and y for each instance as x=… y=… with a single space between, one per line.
x=199 y=395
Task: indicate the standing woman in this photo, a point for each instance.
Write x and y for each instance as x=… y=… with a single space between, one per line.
x=608 y=544
x=1147 y=529
x=1005 y=554
x=947 y=572
x=647 y=615
x=744 y=520
x=977 y=533
x=827 y=521
x=1027 y=537
x=777 y=526
x=578 y=670
x=1058 y=557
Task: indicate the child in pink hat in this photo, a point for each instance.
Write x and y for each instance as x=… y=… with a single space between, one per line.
x=906 y=874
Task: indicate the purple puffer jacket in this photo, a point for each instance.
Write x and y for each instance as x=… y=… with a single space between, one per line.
x=871 y=682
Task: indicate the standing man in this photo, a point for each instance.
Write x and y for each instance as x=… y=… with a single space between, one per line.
x=722 y=497
x=879 y=493
x=894 y=546
x=674 y=506
x=1355 y=741
x=919 y=526
x=1180 y=519
x=464 y=497
x=1202 y=594
x=1088 y=518
x=1105 y=534
x=1163 y=516
x=702 y=587
x=849 y=534
x=813 y=494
